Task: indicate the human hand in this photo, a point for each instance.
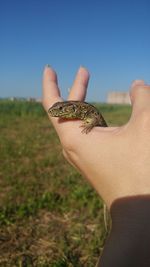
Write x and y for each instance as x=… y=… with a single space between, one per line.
x=115 y=160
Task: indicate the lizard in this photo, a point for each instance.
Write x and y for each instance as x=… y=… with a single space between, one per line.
x=78 y=110
x=91 y=117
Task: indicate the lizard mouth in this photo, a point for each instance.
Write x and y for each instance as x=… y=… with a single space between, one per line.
x=53 y=112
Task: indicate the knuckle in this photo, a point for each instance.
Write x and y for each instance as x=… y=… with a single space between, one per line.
x=69 y=155
x=68 y=141
x=69 y=147
x=144 y=118
x=65 y=154
x=68 y=144
x=139 y=91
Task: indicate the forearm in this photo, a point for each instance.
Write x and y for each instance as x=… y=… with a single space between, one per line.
x=128 y=244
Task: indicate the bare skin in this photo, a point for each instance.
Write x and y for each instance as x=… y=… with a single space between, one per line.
x=115 y=160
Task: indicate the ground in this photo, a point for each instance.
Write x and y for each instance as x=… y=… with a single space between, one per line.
x=49 y=215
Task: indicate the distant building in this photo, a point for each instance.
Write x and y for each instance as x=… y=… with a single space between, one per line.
x=31 y=99
x=115 y=97
x=28 y=99
x=13 y=98
x=17 y=98
x=38 y=100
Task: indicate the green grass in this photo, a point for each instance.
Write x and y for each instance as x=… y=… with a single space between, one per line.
x=49 y=215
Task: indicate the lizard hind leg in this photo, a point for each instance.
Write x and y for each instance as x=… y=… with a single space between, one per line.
x=87 y=127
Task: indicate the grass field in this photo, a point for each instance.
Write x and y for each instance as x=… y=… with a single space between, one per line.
x=49 y=215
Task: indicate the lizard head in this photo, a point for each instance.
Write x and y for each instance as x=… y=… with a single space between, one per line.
x=66 y=109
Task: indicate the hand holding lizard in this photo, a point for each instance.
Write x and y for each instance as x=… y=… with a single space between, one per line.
x=115 y=160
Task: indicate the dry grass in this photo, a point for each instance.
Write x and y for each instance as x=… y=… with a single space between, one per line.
x=49 y=215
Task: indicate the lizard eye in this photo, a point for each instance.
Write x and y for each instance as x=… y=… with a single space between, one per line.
x=60 y=108
x=74 y=108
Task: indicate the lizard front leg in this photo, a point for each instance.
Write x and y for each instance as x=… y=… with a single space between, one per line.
x=88 y=124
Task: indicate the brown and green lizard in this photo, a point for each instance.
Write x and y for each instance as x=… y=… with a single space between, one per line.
x=78 y=110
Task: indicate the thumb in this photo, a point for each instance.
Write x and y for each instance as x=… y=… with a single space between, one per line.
x=140 y=96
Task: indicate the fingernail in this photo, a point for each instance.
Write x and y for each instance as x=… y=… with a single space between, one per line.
x=47 y=66
x=81 y=67
x=85 y=70
x=137 y=83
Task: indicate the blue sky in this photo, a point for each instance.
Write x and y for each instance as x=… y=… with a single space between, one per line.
x=111 y=38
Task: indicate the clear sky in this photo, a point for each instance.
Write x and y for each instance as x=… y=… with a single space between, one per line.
x=110 y=37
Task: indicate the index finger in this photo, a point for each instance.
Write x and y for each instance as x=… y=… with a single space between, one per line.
x=51 y=92
x=51 y=95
